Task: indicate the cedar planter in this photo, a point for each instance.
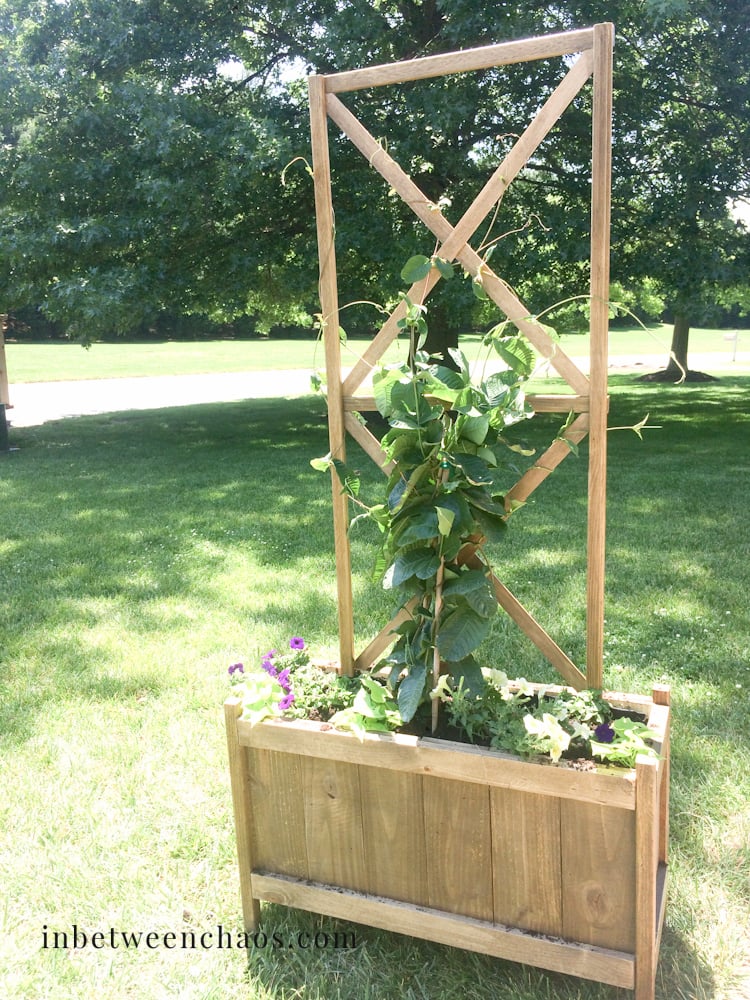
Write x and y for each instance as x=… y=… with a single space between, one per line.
x=532 y=862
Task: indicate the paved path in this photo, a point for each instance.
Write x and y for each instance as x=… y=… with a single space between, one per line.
x=37 y=402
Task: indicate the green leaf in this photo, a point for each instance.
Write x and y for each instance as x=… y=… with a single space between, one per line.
x=348 y=477
x=491 y=526
x=422 y=563
x=411 y=691
x=516 y=353
x=444 y=266
x=468 y=671
x=461 y=632
x=479 y=291
x=322 y=464
x=473 y=428
x=474 y=587
x=481 y=499
x=416 y=268
x=473 y=469
x=419 y=526
x=445 y=520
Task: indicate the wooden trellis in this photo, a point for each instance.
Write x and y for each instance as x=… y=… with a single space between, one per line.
x=592 y=48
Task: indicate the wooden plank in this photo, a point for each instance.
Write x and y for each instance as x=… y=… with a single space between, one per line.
x=646 y=872
x=598 y=871
x=441 y=758
x=539 y=403
x=368 y=443
x=660 y=720
x=598 y=964
x=558 y=404
x=526 y=861
x=458 y=847
x=330 y=311
x=333 y=823
x=243 y=820
x=600 y=223
x=394 y=837
x=468 y=60
x=278 y=818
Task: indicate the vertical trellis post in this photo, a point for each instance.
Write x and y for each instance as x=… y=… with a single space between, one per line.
x=330 y=321
x=600 y=219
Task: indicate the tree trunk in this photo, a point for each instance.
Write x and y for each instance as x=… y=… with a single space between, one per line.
x=677 y=367
x=678 y=354
x=442 y=334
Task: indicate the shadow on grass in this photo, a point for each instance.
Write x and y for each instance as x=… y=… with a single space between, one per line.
x=427 y=970
x=130 y=523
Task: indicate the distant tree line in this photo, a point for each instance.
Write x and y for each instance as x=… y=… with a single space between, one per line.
x=154 y=153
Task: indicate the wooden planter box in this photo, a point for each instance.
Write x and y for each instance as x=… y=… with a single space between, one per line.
x=536 y=863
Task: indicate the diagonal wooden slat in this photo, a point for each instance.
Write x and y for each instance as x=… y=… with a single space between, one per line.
x=368 y=443
x=455 y=238
x=548 y=462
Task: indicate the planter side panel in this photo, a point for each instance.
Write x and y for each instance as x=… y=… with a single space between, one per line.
x=598 y=875
x=333 y=824
x=458 y=847
x=277 y=811
x=526 y=866
x=393 y=832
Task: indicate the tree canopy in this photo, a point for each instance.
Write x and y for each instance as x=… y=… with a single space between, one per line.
x=144 y=146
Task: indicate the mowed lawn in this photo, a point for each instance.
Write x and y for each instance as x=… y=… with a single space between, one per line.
x=51 y=361
x=142 y=553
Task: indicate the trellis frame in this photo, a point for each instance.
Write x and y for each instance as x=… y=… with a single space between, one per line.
x=593 y=47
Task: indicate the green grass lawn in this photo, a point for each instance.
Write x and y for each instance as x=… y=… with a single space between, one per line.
x=60 y=361
x=142 y=553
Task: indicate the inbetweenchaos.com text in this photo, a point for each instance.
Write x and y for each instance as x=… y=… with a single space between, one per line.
x=218 y=937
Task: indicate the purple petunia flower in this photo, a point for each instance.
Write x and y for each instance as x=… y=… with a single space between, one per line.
x=296 y=642
x=286 y=701
x=604 y=733
x=236 y=668
x=283 y=678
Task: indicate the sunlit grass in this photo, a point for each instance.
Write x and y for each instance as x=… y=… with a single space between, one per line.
x=144 y=553
x=54 y=361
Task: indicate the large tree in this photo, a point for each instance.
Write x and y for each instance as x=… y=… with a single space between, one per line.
x=144 y=140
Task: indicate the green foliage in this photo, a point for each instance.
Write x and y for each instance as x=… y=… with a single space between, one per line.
x=372 y=710
x=154 y=157
x=525 y=719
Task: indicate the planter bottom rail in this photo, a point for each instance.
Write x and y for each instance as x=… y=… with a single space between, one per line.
x=602 y=965
x=552 y=867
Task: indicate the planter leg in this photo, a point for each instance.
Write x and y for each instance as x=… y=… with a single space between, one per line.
x=647 y=859
x=240 y=778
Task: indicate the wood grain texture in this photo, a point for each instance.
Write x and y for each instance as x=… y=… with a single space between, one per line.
x=328 y=288
x=526 y=861
x=443 y=759
x=458 y=847
x=278 y=816
x=333 y=823
x=599 y=964
x=484 y=57
x=598 y=875
x=394 y=834
x=242 y=804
